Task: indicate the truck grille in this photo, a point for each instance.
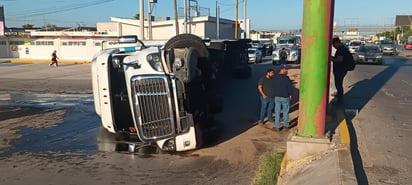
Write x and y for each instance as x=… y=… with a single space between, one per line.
x=153 y=107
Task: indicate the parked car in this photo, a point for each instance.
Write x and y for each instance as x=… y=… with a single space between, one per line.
x=407 y=45
x=293 y=54
x=369 y=54
x=255 y=55
x=354 y=45
x=388 y=47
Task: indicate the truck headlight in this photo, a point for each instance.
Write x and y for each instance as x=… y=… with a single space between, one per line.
x=154 y=61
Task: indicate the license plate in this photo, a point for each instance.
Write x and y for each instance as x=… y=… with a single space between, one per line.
x=370 y=60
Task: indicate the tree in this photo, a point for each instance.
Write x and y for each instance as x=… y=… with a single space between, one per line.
x=407 y=31
x=386 y=34
x=137 y=16
x=27 y=26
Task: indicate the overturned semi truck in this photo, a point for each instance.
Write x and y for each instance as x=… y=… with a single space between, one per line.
x=164 y=95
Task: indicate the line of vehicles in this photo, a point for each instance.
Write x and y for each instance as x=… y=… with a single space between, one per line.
x=373 y=52
x=287 y=50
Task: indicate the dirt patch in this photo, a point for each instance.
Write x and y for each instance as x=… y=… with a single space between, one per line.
x=248 y=146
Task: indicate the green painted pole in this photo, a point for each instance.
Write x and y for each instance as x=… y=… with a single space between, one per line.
x=314 y=87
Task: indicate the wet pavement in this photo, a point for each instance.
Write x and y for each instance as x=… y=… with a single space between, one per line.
x=77 y=131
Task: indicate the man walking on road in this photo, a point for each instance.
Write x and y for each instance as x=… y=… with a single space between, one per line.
x=267 y=97
x=282 y=89
x=54 y=58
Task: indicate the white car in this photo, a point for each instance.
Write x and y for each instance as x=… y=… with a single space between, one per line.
x=354 y=45
x=255 y=55
x=292 y=51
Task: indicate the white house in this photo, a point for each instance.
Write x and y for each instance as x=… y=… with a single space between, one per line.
x=82 y=45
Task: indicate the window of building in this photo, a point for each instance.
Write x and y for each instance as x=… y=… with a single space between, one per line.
x=74 y=43
x=16 y=42
x=42 y=43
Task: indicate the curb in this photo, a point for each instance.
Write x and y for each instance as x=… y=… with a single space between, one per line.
x=29 y=61
x=346 y=169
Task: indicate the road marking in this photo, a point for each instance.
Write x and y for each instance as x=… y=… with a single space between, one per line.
x=343 y=128
x=408 y=83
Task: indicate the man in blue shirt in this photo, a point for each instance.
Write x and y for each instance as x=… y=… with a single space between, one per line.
x=282 y=89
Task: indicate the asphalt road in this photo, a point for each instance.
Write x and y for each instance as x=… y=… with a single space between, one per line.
x=381 y=133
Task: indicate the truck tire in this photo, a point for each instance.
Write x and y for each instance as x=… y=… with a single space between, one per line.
x=188 y=40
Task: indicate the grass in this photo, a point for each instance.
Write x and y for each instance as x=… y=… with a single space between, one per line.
x=268 y=170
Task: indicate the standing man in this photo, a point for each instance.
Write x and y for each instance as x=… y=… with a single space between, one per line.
x=283 y=54
x=341 y=58
x=266 y=95
x=282 y=89
x=54 y=58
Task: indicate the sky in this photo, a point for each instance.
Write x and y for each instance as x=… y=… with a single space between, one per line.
x=265 y=15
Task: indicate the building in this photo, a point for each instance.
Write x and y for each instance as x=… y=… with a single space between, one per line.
x=403 y=20
x=83 y=43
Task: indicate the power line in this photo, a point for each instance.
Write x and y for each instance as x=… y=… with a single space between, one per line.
x=47 y=11
x=231 y=4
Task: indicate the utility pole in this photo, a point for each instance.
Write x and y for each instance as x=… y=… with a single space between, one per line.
x=176 y=18
x=149 y=20
x=217 y=21
x=237 y=17
x=141 y=20
x=245 y=29
x=185 y=15
x=316 y=47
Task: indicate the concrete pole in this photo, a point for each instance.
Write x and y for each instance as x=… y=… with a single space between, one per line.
x=185 y=15
x=149 y=20
x=218 y=22
x=188 y=16
x=176 y=17
x=141 y=20
x=237 y=18
x=317 y=31
x=245 y=29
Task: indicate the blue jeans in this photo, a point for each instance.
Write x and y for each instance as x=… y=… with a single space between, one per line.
x=266 y=108
x=281 y=103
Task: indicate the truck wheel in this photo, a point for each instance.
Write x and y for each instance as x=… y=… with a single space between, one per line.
x=188 y=40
